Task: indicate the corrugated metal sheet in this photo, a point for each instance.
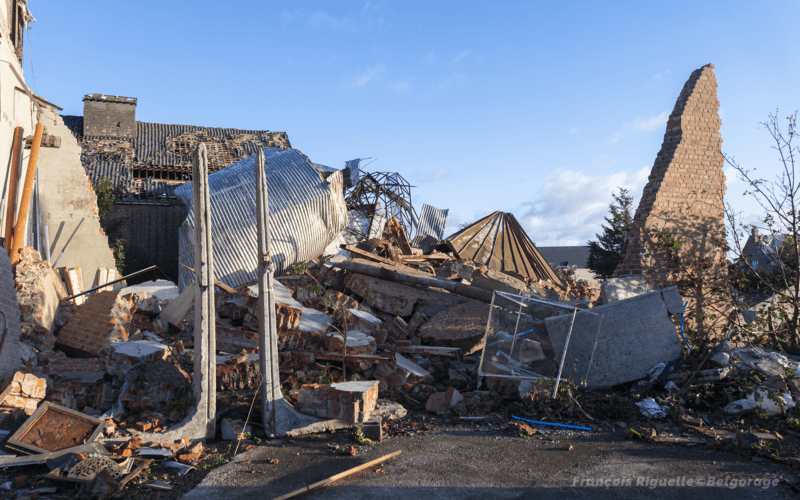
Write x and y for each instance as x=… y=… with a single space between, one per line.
x=430 y=227
x=499 y=242
x=306 y=214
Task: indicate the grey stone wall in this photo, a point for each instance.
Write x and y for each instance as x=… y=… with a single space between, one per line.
x=150 y=233
x=9 y=355
x=109 y=119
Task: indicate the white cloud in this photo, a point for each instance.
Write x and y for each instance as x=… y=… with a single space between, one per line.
x=574 y=130
x=661 y=74
x=368 y=17
x=400 y=87
x=437 y=176
x=455 y=80
x=369 y=75
x=642 y=125
x=461 y=55
x=430 y=58
x=571 y=205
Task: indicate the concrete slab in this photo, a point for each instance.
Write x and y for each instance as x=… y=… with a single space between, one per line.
x=636 y=334
x=614 y=289
x=163 y=290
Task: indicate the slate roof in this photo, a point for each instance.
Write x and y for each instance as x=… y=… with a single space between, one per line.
x=161 y=147
x=573 y=256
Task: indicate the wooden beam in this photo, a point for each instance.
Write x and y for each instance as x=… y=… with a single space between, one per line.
x=338 y=476
x=217 y=283
x=367 y=255
x=430 y=350
x=356 y=358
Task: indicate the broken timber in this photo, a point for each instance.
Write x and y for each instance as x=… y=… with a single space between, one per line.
x=395 y=274
x=338 y=476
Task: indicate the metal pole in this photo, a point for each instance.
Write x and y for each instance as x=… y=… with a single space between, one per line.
x=151 y=268
x=37 y=232
x=46 y=240
x=564 y=356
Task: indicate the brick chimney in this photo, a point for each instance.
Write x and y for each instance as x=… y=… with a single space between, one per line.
x=109 y=116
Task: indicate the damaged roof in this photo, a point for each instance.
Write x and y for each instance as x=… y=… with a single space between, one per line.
x=158 y=159
x=307 y=211
x=499 y=242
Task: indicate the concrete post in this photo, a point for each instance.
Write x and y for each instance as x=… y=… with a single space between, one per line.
x=205 y=338
x=277 y=416
x=201 y=422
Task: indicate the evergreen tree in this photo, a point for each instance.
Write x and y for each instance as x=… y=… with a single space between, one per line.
x=606 y=253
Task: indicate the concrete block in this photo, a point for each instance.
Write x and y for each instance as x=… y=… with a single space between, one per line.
x=232 y=429
x=490 y=279
x=351 y=402
x=357 y=343
x=614 y=289
x=636 y=334
x=673 y=300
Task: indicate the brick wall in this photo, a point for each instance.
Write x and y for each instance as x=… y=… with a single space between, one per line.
x=103 y=319
x=684 y=197
x=9 y=355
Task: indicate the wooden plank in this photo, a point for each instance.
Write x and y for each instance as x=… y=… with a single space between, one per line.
x=431 y=350
x=357 y=358
x=74 y=282
x=367 y=255
x=102 y=277
x=217 y=283
x=338 y=476
x=424 y=258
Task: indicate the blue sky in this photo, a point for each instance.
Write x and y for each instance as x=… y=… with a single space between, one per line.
x=537 y=108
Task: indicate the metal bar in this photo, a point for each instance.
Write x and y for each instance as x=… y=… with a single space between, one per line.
x=112 y=282
x=46 y=254
x=485 y=335
x=37 y=231
x=591 y=358
x=67 y=243
x=564 y=355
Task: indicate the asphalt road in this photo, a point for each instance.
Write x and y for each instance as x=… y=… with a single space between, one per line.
x=473 y=463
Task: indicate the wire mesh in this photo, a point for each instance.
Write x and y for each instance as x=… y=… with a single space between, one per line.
x=528 y=338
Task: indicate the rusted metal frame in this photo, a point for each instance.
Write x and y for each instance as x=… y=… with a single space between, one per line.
x=27 y=191
x=15 y=440
x=11 y=196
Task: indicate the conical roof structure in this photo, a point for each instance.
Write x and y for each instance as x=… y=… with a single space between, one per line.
x=499 y=242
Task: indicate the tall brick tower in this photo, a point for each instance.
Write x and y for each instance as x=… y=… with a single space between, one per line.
x=684 y=199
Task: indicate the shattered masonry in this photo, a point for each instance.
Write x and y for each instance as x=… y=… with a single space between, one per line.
x=684 y=197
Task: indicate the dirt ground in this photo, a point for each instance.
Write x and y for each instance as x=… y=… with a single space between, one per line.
x=466 y=462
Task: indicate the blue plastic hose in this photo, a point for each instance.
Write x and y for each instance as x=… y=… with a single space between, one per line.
x=550 y=423
x=683 y=336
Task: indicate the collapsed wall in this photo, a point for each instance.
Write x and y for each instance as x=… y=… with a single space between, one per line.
x=66 y=199
x=683 y=201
